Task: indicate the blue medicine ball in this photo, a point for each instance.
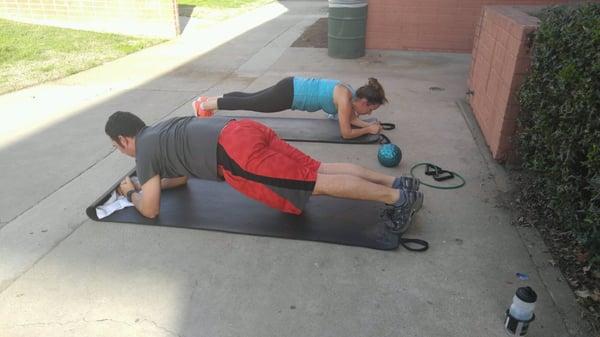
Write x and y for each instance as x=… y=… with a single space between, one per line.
x=389 y=155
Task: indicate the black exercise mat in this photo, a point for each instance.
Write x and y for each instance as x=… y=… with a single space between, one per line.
x=309 y=130
x=216 y=206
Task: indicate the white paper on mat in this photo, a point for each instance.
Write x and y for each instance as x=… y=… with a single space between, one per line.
x=114 y=203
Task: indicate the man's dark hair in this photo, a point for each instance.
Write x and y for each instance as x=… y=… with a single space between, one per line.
x=123 y=123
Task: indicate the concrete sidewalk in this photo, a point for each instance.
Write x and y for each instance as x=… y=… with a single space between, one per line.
x=62 y=274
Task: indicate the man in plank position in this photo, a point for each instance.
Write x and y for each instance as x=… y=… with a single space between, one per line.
x=252 y=159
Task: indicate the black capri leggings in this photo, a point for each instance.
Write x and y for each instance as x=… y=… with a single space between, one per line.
x=273 y=99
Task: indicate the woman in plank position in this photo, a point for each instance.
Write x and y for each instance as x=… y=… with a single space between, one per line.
x=336 y=99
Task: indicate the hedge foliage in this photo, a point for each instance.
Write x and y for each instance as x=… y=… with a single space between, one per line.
x=559 y=136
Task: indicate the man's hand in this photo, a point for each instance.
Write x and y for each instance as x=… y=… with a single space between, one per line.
x=125 y=186
x=146 y=200
x=136 y=184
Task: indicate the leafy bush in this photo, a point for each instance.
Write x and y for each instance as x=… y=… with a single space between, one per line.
x=559 y=136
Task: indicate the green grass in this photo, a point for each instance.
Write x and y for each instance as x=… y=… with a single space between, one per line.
x=222 y=3
x=32 y=54
x=214 y=11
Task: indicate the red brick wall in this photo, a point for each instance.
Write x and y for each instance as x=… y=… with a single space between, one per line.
x=157 y=18
x=500 y=60
x=430 y=25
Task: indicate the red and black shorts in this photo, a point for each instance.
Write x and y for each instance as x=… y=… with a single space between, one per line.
x=257 y=163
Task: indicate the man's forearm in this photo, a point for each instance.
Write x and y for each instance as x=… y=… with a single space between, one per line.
x=166 y=183
x=137 y=200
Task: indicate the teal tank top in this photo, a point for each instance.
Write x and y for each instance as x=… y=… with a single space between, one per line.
x=312 y=94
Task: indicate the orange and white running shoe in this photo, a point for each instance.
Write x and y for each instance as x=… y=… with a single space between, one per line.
x=197 y=104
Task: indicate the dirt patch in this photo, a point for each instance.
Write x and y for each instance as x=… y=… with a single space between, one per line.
x=185 y=10
x=315 y=36
x=568 y=253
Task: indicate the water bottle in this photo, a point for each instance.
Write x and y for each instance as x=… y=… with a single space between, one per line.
x=520 y=313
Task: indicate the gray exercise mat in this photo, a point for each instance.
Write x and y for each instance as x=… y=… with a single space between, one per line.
x=309 y=130
x=216 y=206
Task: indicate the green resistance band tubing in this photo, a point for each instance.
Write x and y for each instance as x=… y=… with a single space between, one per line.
x=438 y=187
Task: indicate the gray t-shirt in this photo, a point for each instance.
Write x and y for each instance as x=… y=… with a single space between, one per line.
x=180 y=146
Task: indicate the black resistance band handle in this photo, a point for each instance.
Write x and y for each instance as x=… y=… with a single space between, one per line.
x=443 y=175
x=438 y=174
x=406 y=243
x=388 y=126
x=383 y=139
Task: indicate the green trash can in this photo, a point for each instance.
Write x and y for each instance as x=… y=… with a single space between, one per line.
x=347 y=27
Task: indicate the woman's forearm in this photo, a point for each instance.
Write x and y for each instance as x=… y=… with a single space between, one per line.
x=359 y=122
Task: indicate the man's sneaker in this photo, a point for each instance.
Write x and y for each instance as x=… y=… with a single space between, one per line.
x=401 y=214
x=197 y=104
x=406 y=183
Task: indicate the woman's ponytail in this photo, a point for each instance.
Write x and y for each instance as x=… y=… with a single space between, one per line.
x=372 y=91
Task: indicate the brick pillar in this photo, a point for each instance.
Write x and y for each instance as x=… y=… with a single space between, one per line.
x=501 y=59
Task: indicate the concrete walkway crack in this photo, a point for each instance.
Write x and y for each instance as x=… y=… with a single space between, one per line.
x=162 y=328
x=101 y=320
x=41 y=324
x=57 y=189
x=7 y=283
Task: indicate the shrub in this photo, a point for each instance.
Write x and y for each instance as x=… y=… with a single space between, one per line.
x=559 y=136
